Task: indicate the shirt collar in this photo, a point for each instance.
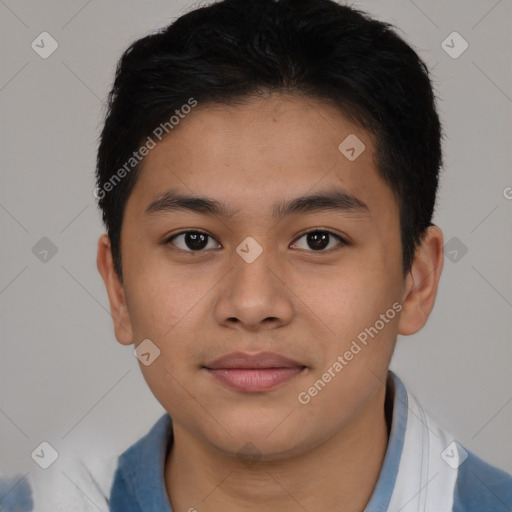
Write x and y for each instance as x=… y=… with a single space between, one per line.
x=381 y=496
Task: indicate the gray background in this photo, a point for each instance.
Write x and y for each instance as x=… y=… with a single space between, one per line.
x=63 y=376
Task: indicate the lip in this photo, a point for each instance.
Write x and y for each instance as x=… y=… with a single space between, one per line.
x=252 y=373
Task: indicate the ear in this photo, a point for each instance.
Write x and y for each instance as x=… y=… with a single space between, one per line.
x=118 y=310
x=422 y=282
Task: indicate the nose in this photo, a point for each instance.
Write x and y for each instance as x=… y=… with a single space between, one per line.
x=254 y=295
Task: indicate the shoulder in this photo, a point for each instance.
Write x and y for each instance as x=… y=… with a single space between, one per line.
x=138 y=482
x=450 y=478
x=481 y=486
x=149 y=447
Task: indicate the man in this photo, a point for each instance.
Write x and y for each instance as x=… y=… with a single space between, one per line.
x=267 y=174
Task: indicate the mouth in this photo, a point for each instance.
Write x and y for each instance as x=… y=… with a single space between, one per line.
x=252 y=373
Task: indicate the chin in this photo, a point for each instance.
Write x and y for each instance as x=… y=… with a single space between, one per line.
x=264 y=436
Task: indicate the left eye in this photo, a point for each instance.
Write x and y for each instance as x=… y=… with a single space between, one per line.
x=318 y=240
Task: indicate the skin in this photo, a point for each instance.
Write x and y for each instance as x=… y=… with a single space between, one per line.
x=304 y=304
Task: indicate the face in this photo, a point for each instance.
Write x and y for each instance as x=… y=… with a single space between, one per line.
x=318 y=283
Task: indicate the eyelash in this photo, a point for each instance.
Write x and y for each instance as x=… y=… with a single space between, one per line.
x=342 y=241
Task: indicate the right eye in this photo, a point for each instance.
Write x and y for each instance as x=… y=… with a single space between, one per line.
x=192 y=241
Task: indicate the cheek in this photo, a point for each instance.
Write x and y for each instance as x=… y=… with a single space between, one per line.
x=171 y=312
x=158 y=301
x=171 y=388
x=341 y=301
x=362 y=322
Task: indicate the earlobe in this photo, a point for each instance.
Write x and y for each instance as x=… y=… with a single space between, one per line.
x=118 y=309
x=422 y=282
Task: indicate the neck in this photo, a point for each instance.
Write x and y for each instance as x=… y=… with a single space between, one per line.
x=339 y=474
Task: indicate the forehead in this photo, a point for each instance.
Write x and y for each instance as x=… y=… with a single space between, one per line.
x=251 y=155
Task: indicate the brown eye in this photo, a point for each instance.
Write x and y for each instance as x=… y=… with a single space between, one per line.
x=319 y=240
x=191 y=241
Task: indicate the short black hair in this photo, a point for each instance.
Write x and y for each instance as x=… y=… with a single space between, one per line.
x=232 y=50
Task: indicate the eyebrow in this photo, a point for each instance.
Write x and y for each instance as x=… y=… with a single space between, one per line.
x=336 y=199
